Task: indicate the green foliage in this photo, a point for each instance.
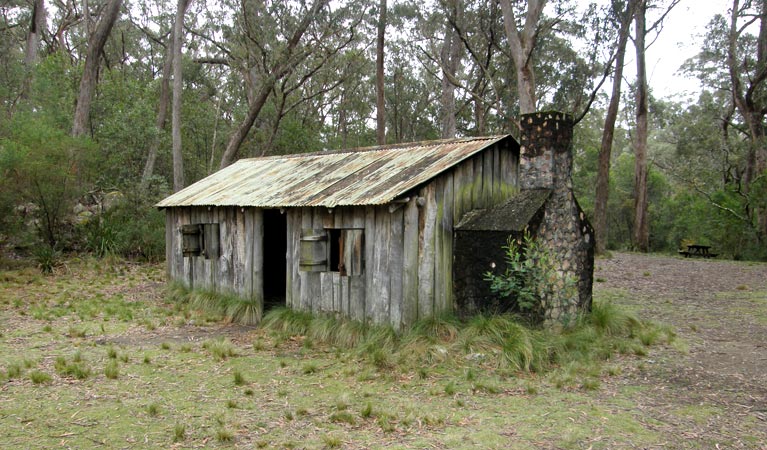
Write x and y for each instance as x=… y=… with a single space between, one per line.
x=44 y=172
x=531 y=279
x=46 y=257
x=129 y=226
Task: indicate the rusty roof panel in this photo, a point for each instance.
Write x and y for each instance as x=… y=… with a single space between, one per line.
x=372 y=176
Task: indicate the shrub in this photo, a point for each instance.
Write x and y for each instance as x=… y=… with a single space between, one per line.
x=131 y=227
x=531 y=279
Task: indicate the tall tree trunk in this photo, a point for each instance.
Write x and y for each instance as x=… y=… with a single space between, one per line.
x=96 y=43
x=279 y=70
x=178 y=86
x=36 y=28
x=522 y=44
x=603 y=171
x=641 y=219
x=380 y=99
x=450 y=57
x=749 y=103
x=162 y=114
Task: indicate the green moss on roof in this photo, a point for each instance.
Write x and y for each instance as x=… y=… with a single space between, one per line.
x=512 y=215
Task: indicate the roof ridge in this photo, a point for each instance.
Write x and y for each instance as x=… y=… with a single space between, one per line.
x=375 y=148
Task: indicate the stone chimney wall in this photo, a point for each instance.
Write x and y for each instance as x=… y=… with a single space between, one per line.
x=546 y=161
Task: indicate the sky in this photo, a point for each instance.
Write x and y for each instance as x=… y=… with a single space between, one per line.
x=681 y=39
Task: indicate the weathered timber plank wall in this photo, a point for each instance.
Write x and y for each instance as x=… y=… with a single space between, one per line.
x=238 y=268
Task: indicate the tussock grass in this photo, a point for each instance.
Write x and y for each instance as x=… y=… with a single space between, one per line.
x=221 y=348
x=76 y=368
x=112 y=370
x=500 y=341
x=230 y=306
x=39 y=377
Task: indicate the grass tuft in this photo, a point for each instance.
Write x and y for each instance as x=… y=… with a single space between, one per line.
x=112 y=369
x=39 y=377
x=179 y=432
x=239 y=378
x=331 y=441
x=76 y=368
x=220 y=348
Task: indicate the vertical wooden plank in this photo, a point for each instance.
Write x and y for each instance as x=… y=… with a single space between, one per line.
x=476 y=183
x=381 y=276
x=203 y=216
x=239 y=259
x=194 y=261
x=338 y=305
x=188 y=267
x=320 y=216
x=248 y=249
x=225 y=218
x=289 y=260
x=396 y=264
x=178 y=218
x=410 y=263
x=426 y=225
x=509 y=170
x=444 y=247
x=306 y=280
x=370 y=261
x=353 y=291
x=294 y=230
x=487 y=177
x=497 y=180
x=256 y=247
x=325 y=302
x=170 y=238
x=463 y=182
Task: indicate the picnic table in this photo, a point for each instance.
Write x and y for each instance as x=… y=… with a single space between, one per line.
x=695 y=250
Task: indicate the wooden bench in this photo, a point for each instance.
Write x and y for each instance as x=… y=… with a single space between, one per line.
x=694 y=250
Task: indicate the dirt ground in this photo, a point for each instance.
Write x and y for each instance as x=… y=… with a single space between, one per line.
x=715 y=393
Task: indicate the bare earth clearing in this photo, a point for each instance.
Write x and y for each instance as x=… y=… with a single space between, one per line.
x=720 y=309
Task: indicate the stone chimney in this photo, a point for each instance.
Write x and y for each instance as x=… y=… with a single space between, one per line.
x=546 y=162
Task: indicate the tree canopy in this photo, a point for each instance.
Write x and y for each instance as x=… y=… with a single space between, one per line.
x=87 y=90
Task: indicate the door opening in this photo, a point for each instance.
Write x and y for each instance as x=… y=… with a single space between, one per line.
x=275 y=260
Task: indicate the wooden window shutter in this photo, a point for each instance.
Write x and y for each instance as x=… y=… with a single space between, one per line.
x=191 y=244
x=314 y=250
x=353 y=251
x=210 y=240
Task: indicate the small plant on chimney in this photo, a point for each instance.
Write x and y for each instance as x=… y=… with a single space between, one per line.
x=531 y=279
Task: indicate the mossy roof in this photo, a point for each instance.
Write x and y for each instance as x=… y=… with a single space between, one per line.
x=512 y=215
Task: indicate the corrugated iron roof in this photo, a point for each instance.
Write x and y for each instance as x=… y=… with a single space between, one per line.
x=512 y=215
x=368 y=176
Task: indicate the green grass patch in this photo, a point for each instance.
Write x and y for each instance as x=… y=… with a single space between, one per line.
x=503 y=342
x=302 y=381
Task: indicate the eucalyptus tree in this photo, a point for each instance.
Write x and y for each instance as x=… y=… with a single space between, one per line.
x=732 y=65
x=641 y=229
x=380 y=95
x=178 y=35
x=96 y=41
x=521 y=41
x=622 y=12
x=275 y=59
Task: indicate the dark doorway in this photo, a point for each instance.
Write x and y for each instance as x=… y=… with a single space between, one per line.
x=275 y=260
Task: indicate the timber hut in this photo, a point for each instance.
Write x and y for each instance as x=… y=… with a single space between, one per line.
x=371 y=234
